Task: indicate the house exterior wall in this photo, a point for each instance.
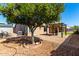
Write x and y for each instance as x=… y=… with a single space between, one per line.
x=53 y=27
x=9 y=30
x=19 y=27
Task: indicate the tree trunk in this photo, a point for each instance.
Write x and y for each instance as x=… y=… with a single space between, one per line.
x=65 y=30
x=46 y=31
x=32 y=35
x=62 y=32
x=46 y=28
x=26 y=30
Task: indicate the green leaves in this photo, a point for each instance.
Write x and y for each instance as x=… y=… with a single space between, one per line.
x=32 y=14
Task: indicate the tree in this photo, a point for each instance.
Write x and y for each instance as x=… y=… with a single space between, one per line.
x=51 y=13
x=75 y=27
x=31 y=15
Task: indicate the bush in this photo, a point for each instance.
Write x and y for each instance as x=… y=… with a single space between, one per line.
x=76 y=32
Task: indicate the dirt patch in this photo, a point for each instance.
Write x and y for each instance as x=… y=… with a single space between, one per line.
x=70 y=47
x=74 y=40
x=43 y=49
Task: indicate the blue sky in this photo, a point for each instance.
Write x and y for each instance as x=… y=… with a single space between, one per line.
x=70 y=16
x=2 y=19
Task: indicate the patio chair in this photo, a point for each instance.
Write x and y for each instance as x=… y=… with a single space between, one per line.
x=5 y=33
x=1 y=35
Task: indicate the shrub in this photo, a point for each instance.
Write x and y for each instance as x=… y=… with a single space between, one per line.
x=76 y=32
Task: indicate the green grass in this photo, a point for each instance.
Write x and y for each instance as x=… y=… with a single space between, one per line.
x=69 y=33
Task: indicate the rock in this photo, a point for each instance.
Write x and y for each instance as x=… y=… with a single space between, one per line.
x=37 y=43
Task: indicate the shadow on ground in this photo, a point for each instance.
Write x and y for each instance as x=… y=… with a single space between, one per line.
x=21 y=40
x=70 y=47
x=48 y=34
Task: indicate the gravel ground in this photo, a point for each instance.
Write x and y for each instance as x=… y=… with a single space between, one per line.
x=49 y=44
x=11 y=49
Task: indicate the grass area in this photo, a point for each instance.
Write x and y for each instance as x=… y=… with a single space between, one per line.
x=69 y=33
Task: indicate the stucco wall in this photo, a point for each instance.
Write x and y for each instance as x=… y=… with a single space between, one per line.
x=10 y=30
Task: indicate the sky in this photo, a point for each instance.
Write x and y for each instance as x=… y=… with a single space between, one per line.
x=70 y=16
x=2 y=19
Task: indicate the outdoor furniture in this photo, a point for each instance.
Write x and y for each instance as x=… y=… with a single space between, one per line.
x=4 y=34
x=19 y=33
x=1 y=35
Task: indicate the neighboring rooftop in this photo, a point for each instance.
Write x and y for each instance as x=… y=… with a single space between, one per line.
x=5 y=25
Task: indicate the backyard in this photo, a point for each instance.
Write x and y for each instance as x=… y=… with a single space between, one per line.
x=50 y=45
x=38 y=30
